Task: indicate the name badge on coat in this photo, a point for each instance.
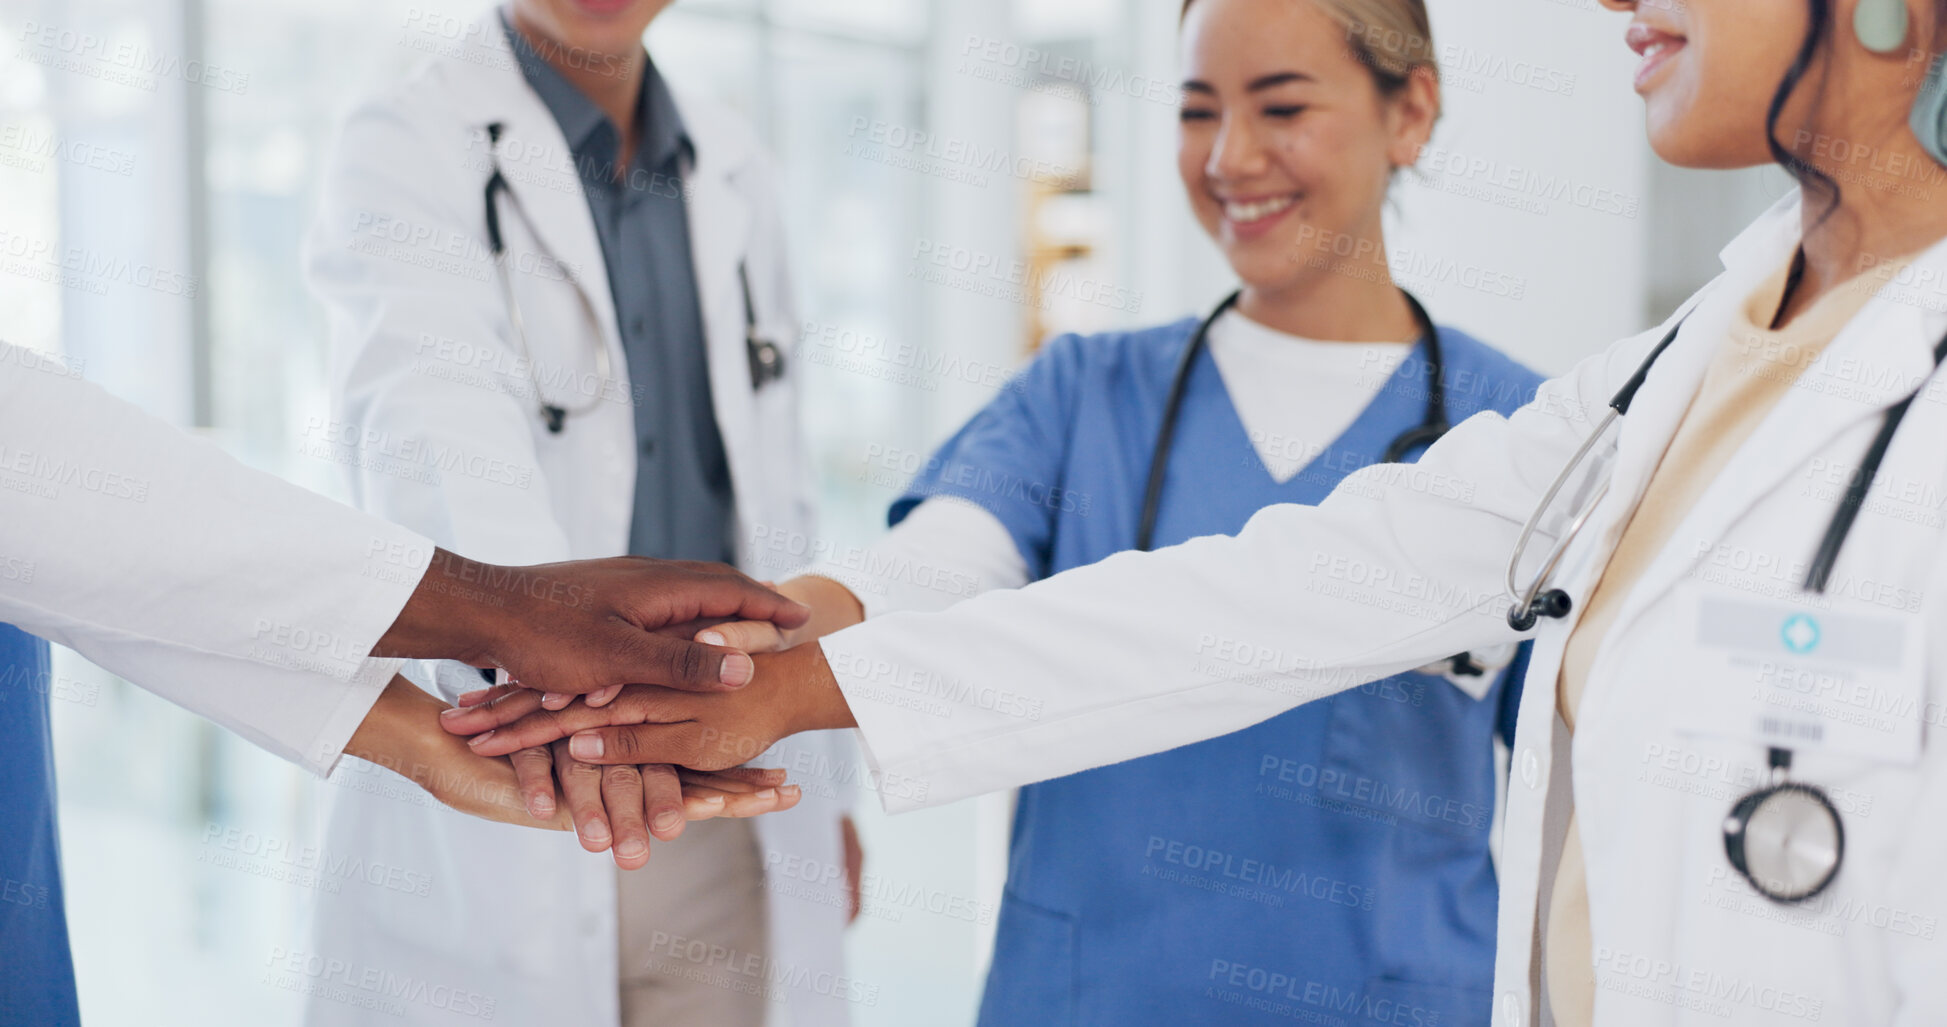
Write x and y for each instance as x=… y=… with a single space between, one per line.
x=1796 y=675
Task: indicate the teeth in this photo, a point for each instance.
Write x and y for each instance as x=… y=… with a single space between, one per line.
x=1244 y=213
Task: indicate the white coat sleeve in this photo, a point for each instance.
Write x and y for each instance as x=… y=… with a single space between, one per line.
x=232 y=593
x=945 y=550
x=1142 y=652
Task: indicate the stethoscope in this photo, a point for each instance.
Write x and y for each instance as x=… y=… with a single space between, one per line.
x=1785 y=838
x=1433 y=424
x=766 y=357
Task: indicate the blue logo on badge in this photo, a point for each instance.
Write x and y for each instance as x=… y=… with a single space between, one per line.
x=1800 y=633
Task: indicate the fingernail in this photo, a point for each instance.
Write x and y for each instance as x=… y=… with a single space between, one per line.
x=710 y=638
x=788 y=791
x=667 y=820
x=555 y=700
x=582 y=746
x=767 y=794
x=449 y=714
x=634 y=848
x=596 y=832
x=737 y=670
x=540 y=807
x=478 y=740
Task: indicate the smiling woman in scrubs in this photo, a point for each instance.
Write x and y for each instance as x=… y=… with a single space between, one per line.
x=1314 y=840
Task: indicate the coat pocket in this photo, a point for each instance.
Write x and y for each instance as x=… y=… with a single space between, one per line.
x=1411 y=750
x=1390 y=1000
x=1033 y=980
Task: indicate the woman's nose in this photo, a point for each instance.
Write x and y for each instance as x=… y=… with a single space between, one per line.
x=1237 y=153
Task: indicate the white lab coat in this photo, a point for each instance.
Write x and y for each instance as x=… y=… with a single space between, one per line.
x=1141 y=653
x=425 y=375
x=230 y=592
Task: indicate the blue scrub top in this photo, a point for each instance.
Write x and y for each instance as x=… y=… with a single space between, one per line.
x=1328 y=865
x=36 y=974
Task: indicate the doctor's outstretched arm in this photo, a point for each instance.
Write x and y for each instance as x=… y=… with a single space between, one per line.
x=1141 y=652
x=280 y=614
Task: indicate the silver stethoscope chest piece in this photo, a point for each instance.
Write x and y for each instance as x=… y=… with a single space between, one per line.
x=1786 y=838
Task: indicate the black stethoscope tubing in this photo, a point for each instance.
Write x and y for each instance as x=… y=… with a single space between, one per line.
x=767 y=360
x=1433 y=423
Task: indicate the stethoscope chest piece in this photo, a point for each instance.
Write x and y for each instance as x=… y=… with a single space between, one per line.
x=1786 y=839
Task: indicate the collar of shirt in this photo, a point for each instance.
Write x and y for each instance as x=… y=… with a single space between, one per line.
x=591 y=136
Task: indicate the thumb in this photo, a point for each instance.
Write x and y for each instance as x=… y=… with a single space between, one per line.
x=750 y=636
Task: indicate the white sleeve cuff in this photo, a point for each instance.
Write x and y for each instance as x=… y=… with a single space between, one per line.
x=360 y=693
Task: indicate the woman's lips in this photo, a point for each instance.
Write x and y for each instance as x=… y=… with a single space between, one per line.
x=1656 y=46
x=1254 y=217
x=603 y=6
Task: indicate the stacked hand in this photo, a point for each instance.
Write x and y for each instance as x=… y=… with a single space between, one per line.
x=567 y=629
x=402 y=734
x=791 y=691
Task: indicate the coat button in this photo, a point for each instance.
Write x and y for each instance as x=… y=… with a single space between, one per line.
x=1510 y=1009
x=648 y=447
x=1530 y=767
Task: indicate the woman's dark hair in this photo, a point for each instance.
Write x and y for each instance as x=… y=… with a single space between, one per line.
x=1810 y=178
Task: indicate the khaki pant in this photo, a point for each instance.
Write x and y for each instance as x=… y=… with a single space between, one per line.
x=693 y=943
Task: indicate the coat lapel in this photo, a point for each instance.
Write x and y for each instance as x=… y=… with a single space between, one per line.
x=1876 y=361
x=720 y=239
x=541 y=177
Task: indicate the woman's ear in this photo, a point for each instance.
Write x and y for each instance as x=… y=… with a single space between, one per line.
x=1415 y=109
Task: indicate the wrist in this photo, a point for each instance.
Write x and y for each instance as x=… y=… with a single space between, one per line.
x=815 y=702
x=449 y=614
